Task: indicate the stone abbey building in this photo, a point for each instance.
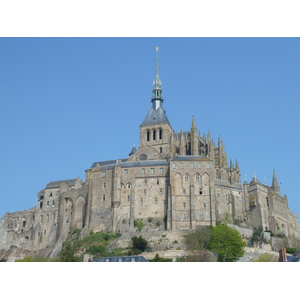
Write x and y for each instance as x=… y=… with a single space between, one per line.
x=180 y=180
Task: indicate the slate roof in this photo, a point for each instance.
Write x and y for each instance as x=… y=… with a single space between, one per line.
x=56 y=184
x=121 y=259
x=189 y=158
x=155 y=116
x=106 y=163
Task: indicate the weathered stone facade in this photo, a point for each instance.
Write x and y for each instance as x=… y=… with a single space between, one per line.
x=173 y=181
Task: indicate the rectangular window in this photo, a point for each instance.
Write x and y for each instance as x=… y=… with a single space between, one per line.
x=125 y=171
x=152 y=171
x=204 y=205
x=184 y=205
x=161 y=170
x=103 y=174
x=156 y=200
x=173 y=165
x=207 y=166
x=141 y=200
x=143 y=171
x=181 y=166
x=48 y=203
x=104 y=185
x=128 y=197
x=199 y=165
x=145 y=192
x=160 y=191
x=103 y=198
x=192 y=166
x=53 y=203
x=184 y=191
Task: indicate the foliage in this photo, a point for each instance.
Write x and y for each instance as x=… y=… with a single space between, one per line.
x=270 y=231
x=138 y=223
x=228 y=219
x=95 y=244
x=265 y=257
x=199 y=239
x=150 y=219
x=67 y=254
x=290 y=250
x=157 y=224
x=36 y=259
x=237 y=222
x=258 y=236
x=227 y=243
x=139 y=244
x=157 y=258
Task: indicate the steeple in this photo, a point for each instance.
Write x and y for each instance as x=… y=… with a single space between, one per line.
x=156 y=114
x=275 y=183
x=157 y=91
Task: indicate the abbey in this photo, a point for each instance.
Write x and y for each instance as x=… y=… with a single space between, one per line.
x=173 y=181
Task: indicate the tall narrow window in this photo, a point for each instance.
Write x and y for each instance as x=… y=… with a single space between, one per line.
x=103 y=198
x=184 y=205
x=154 y=135
x=184 y=191
x=160 y=149
x=197 y=177
x=160 y=133
x=157 y=181
x=161 y=170
x=186 y=177
x=103 y=174
x=160 y=191
x=148 y=135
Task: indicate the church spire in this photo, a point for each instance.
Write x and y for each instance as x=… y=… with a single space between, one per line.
x=157 y=91
x=275 y=183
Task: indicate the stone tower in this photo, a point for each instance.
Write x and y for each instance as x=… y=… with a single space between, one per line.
x=156 y=130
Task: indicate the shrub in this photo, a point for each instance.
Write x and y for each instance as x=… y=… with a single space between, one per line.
x=157 y=258
x=138 y=223
x=265 y=257
x=199 y=239
x=258 y=236
x=139 y=244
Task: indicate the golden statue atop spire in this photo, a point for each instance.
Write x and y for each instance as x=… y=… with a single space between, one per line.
x=156 y=48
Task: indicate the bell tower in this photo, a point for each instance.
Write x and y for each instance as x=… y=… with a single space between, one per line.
x=156 y=130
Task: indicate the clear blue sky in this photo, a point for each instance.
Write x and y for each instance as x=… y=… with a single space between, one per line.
x=68 y=102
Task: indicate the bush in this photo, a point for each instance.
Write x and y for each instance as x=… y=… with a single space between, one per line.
x=139 y=224
x=157 y=258
x=258 y=236
x=139 y=244
x=265 y=257
x=199 y=239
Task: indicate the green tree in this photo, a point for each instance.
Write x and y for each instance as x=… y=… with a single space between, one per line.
x=227 y=243
x=258 y=236
x=139 y=244
x=199 y=239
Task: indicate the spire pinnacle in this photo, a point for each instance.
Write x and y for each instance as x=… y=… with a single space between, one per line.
x=157 y=91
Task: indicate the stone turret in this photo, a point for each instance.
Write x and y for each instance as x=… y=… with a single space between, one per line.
x=275 y=183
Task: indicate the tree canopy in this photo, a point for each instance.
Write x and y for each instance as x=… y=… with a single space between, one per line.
x=227 y=243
